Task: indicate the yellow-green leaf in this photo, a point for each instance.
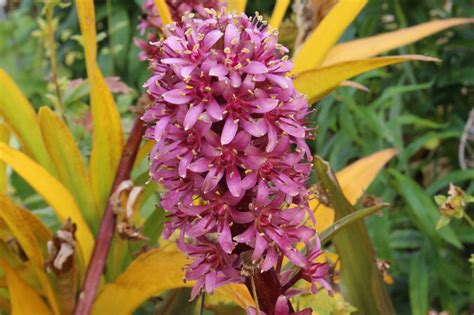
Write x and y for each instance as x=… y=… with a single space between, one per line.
x=135 y=285
x=150 y=274
x=354 y=180
x=375 y=45
x=4 y=137
x=318 y=82
x=23 y=299
x=279 y=13
x=70 y=166
x=53 y=192
x=324 y=37
x=14 y=218
x=237 y=5
x=21 y=117
x=107 y=138
x=163 y=11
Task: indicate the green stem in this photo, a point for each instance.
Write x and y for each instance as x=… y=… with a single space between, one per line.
x=469 y=220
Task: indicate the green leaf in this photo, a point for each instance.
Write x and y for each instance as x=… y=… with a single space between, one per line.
x=326 y=235
x=423 y=210
x=362 y=283
x=418 y=285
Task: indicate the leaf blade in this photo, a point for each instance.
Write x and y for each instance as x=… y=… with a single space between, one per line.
x=279 y=13
x=163 y=11
x=54 y=193
x=4 y=137
x=107 y=137
x=375 y=45
x=24 y=299
x=66 y=156
x=237 y=5
x=325 y=36
x=21 y=117
x=362 y=282
x=318 y=82
x=14 y=217
x=354 y=180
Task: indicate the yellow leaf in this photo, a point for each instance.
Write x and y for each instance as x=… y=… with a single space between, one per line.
x=23 y=299
x=14 y=218
x=53 y=192
x=325 y=36
x=237 y=5
x=279 y=12
x=237 y=293
x=4 y=137
x=354 y=180
x=318 y=82
x=163 y=12
x=21 y=117
x=107 y=138
x=150 y=274
x=375 y=45
x=66 y=156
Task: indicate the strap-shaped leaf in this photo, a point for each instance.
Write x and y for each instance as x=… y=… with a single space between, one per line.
x=361 y=279
x=354 y=181
x=4 y=137
x=71 y=168
x=24 y=300
x=53 y=192
x=326 y=235
x=237 y=5
x=318 y=82
x=163 y=12
x=15 y=220
x=375 y=45
x=279 y=12
x=21 y=117
x=107 y=138
x=151 y=274
x=318 y=44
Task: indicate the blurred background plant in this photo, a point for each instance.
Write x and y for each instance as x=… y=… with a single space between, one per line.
x=421 y=109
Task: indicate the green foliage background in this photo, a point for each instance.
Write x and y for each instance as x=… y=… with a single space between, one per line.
x=418 y=108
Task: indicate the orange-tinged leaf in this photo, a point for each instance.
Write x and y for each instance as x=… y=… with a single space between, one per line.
x=107 y=138
x=237 y=5
x=354 y=181
x=279 y=12
x=163 y=11
x=375 y=45
x=14 y=218
x=318 y=44
x=4 y=137
x=23 y=299
x=319 y=82
x=357 y=177
x=66 y=156
x=237 y=293
x=21 y=117
x=150 y=274
x=53 y=192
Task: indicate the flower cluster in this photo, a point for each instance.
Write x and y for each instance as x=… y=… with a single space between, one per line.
x=150 y=22
x=230 y=149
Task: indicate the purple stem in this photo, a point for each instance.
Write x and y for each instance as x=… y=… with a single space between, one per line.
x=107 y=225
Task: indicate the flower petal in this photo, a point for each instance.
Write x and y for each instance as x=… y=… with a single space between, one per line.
x=255 y=67
x=192 y=116
x=177 y=97
x=229 y=131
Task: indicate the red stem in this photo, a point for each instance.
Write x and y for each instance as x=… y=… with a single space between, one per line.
x=107 y=225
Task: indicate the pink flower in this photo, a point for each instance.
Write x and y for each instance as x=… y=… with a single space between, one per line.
x=151 y=22
x=230 y=132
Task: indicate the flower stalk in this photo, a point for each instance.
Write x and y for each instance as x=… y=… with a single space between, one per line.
x=108 y=223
